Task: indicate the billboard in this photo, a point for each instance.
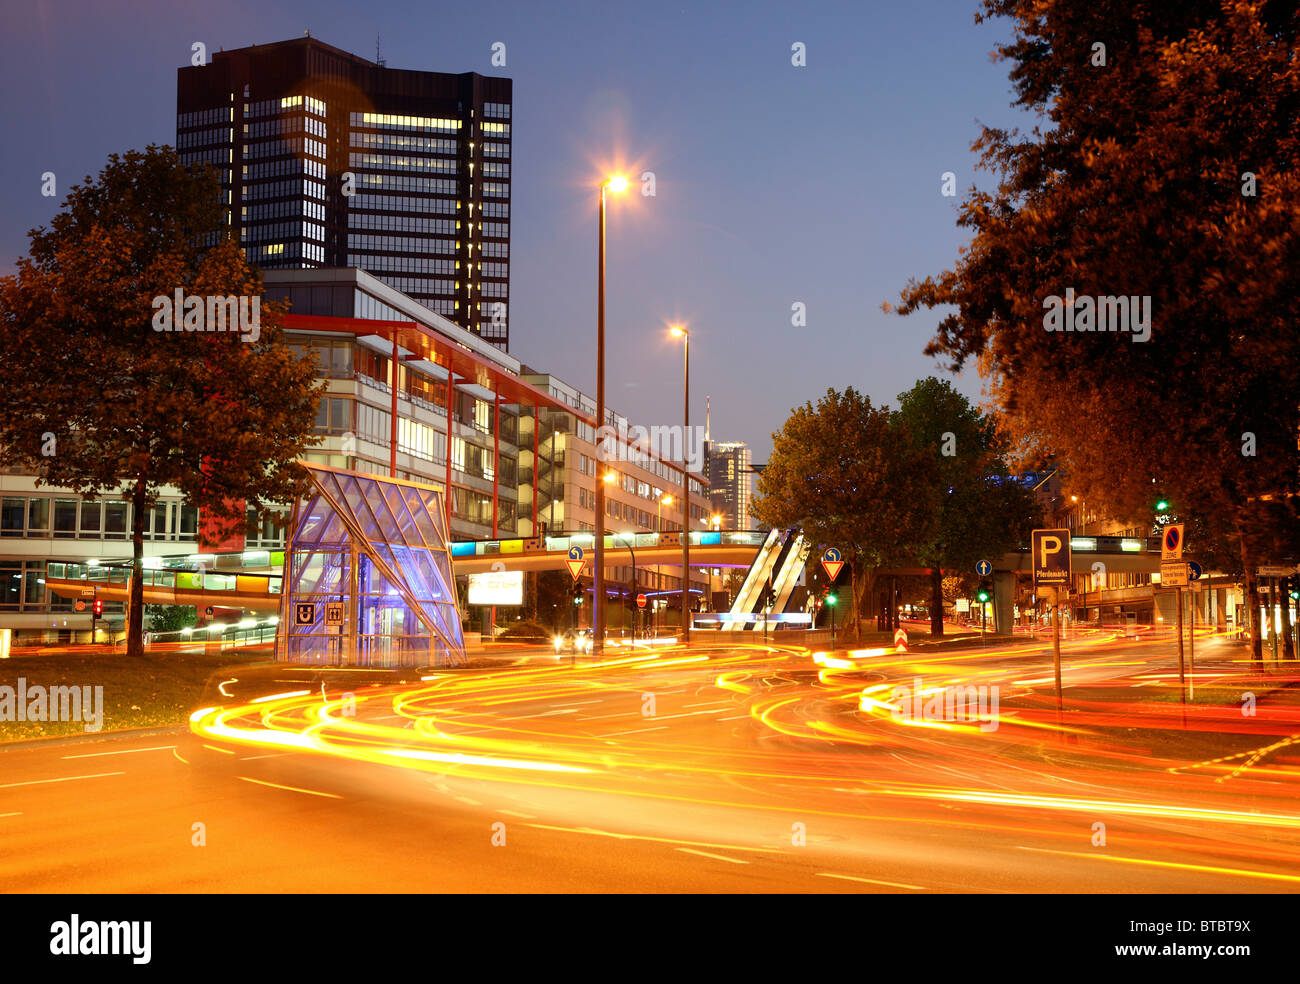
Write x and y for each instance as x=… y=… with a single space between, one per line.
x=503 y=588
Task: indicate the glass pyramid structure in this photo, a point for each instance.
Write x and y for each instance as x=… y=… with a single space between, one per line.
x=368 y=579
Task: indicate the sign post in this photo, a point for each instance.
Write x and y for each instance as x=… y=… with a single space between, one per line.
x=1052 y=564
x=1171 y=556
x=1194 y=572
x=832 y=564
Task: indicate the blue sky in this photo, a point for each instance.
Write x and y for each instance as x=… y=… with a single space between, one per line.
x=774 y=184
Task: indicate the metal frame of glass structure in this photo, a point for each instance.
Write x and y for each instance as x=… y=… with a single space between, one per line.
x=368 y=579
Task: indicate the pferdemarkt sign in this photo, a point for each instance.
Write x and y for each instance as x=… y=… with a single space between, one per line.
x=1051 y=558
x=1174 y=575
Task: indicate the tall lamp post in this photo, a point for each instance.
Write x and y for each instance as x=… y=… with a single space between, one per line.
x=679 y=331
x=618 y=185
x=666 y=500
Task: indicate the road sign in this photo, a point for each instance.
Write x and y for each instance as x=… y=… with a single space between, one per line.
x=1173 y=574
x=1051 y=558
x=1276 y=571
x=304 y=613
x=334 y=613
x=80 y=605
x=640 y=601
x=1171 y=544
x=983 y=568
x=831 y=563
x=87 y=592
x=575 y=566
x=1194 y=570
x=208 y=611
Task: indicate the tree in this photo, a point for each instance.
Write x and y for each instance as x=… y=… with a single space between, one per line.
x=170 y=618
x=982 y=510
x=1164 y=174
x=849 y=475
x=93 y=398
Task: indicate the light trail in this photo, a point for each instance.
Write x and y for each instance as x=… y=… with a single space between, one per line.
x=838 y=724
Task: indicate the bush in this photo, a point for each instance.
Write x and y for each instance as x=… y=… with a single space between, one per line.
x=526 y=632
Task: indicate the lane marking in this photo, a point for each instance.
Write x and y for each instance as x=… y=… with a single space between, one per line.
x=657 y=840
x=3 y=815
x=223 y=751
x=706 y=854
x=178 y=757
x=127 y=751
x=711 y=703
x=466 y=799
x=638 y=731
x=516 y=813
x=735 y=718
x=871 y=881
x=1242 y=872
x=271 y=755
x=292 y=789
x=601 y=717
x=38 y=782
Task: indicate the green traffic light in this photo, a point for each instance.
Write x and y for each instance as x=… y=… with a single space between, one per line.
x=831 y=600
x=983 y=596
x=1162 y=505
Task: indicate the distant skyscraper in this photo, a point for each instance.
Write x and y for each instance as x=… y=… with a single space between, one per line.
x=330 y=160
x=731 y=482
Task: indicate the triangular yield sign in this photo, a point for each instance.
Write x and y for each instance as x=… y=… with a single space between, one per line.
x=575 y=567
x=832 y=568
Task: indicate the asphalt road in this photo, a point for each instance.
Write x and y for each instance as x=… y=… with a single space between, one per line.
x=742 y=770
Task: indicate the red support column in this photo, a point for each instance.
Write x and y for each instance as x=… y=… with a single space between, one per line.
x=496 y=457
x=392 y=433
x=447 y=494
x=536 y=469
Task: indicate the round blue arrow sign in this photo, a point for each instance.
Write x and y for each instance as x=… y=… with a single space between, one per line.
x=575 y=553
x=832 y=555
x=983 y=568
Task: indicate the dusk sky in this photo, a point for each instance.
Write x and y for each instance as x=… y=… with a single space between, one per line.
x=775 y=184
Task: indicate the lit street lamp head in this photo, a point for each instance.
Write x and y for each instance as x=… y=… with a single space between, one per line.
x=677 y=331
x=617 y=184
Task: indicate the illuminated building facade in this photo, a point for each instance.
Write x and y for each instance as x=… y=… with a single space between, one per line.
x=327 y=159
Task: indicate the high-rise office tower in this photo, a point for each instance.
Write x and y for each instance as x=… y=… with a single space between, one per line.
x=731 y=482
x=330 y=160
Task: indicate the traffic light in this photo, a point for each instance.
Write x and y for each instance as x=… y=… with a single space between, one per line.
x=577 y=593
x=985 y=592
x=1162 y=504
x=1293 y=587
x=97 y=609
x=831 y=599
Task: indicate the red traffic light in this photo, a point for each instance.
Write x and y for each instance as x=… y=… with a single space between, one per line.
x=98 y=608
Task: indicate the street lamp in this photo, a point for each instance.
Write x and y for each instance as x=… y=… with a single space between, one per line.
x=679 y=331
x=666 y=500
x=628 y=543
x=617 y=184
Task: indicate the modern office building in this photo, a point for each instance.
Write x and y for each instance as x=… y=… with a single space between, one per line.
x=730 y=474
x=327 y=159
x=522 y=459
